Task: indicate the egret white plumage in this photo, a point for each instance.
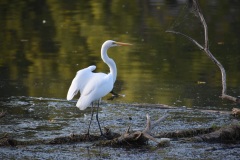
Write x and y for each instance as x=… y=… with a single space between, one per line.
x=94 y=86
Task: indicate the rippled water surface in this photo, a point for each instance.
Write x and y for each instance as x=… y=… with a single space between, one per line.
x=44 y=43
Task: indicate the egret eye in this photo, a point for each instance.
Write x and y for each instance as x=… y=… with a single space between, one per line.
x=113 y=43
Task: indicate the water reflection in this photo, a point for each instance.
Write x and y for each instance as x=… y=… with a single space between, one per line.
x=44 y=43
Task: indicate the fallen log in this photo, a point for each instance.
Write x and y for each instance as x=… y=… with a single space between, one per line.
x=226 y=134
x=186 y=133
x=128 y=138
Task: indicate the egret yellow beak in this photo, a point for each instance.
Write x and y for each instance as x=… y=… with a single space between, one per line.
x=123 y=44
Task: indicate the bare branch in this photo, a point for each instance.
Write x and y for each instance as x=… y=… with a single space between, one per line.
x=150 y=126
x=155 y=123
x=196 y=4
x=205 y=48
x=231 y=98
x=224 y=86
x=189 y=38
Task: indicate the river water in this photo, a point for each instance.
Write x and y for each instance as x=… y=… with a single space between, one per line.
x=44 y=43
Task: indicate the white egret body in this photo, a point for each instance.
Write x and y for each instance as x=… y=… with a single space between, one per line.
x=94 y=86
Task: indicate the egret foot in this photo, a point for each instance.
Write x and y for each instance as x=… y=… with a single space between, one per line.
x=103 y=137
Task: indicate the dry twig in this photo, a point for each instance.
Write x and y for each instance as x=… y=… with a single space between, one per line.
x=135 y=137
x=205 y=48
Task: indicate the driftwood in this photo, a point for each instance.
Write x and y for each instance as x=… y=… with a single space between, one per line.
x=129 y=138
x=226 y=134
x=205 y=48
x=236 y=112
x=230 y=133
x=133 y=138
x=187 y=133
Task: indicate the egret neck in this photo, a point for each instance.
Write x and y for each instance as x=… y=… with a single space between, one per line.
x=110 y=62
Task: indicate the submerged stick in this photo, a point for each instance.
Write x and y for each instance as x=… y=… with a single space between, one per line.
x=205 y=48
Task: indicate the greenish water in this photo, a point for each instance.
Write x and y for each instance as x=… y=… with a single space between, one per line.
x=44 y=43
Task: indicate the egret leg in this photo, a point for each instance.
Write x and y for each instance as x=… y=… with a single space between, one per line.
x=90 y=119
x=98 y=120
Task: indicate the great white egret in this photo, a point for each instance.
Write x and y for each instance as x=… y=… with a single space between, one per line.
x=94 y=86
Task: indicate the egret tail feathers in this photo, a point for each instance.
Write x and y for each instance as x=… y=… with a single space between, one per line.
x=72 y=92
x=83 y=102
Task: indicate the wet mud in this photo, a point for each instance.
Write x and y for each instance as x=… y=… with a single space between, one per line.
x=35 y=127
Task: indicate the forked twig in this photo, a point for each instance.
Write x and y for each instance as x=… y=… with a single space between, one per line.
x=205 y=48
x=150 y=125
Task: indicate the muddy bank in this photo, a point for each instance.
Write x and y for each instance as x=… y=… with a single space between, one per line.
x=35 y=126
x=225 y=134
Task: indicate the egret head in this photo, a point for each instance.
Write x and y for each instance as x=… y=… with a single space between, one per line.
x=111 y=43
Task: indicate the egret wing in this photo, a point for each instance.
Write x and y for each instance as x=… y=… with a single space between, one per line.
x=80 y=80
x=98 y=86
